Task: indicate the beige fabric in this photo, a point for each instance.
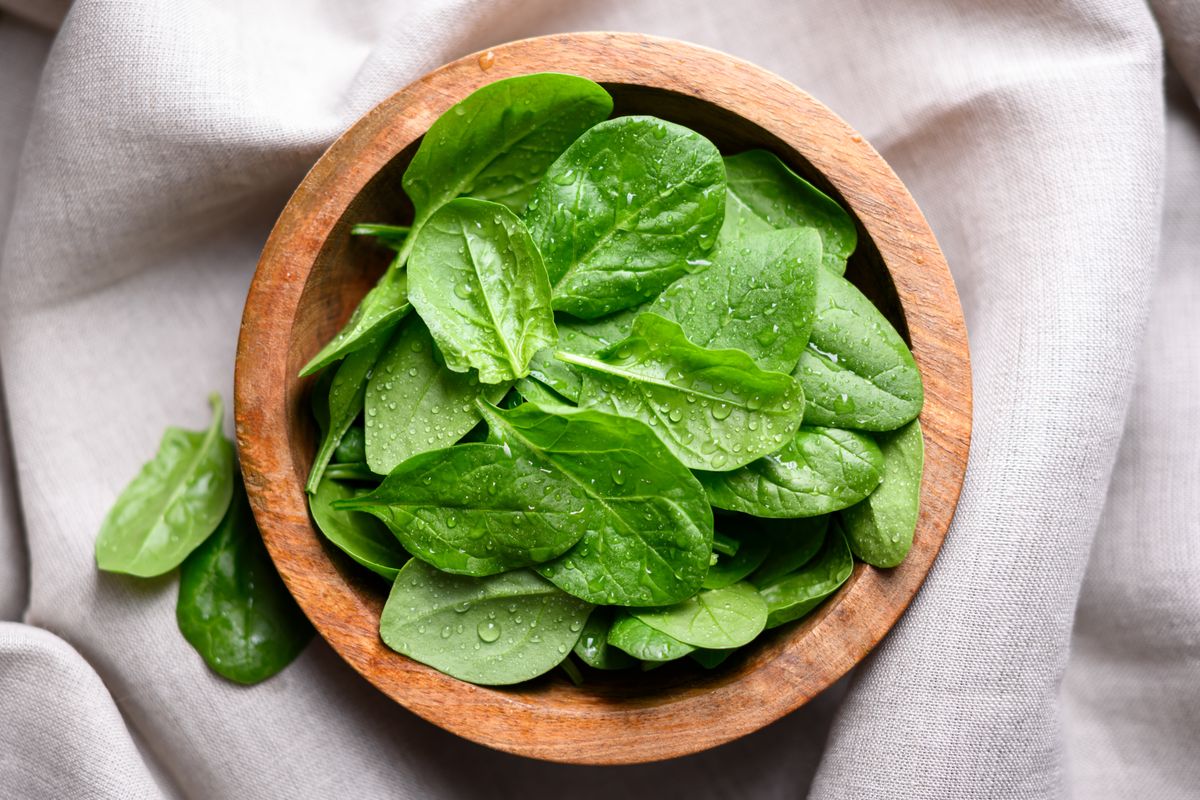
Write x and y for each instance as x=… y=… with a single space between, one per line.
x=165 y=138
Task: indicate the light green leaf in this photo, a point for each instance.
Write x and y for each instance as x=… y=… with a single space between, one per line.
x=715 y=619
x=880 y=529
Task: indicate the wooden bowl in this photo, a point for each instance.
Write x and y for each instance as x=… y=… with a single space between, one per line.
x=312 y=273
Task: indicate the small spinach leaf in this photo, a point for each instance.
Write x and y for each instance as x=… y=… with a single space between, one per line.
x=172 y=505
x=857 y=372
x=233 y=607
x=716 y=619
x=378 y=311
x=765 y=194
x=593 y=648
x=793 y=544
x=493 y=631
x=880 y=529
x=714 y=409
x=354 y=471
x=820 y=470
x=710 y=659
x=353 y=446
x=630 y=634
x=794 y=595
x=392 y=236
x=532 y=390
x=627 y=209
x=730 y=569
x=360 y=536
x=478 y=282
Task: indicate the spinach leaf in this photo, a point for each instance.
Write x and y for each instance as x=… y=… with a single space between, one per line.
x=714 y=409
x=630 y=634
x=477 y=509
x=710 y=659
x=360 y=536
x=233 y=607
x=478 y=282
x=794 y=595
x=378 y=311
x=344 y=404
x=792 y=542
x=716 y=619
x=534 y=391
x=582 y=337
x=354 y=471
x=820 y=470
x=593 y=648
x=730 y=569
x=353 y=446
x=857 y=372
x=413 y=404
x=392 y=236
x=493 y=631
x=172 y=505
x=757 y=297
x=765 y=194
x=880 y=529
x=632 y=205
x=646 y=527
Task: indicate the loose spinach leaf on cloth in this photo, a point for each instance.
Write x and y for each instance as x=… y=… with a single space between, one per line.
x=360 y=536
x=233 y=607
x=631 y=635
x=478 y=282
x=820 y=470
x=478 y=509
x=716 y=619
x=757 y=297
x=714 y=409
x=793 y=543
x=794 y=595
x=647 y=529
x=880 y=529
x=172 y=505
x=593 y=648
x=413 y=404
x=492 y=631
x=632 y=205
x=857 y=372
x=764 y=194
x=376 y=314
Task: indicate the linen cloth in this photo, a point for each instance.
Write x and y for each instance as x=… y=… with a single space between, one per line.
x=145 y=150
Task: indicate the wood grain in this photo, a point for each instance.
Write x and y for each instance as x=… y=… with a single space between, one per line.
x=312 y=273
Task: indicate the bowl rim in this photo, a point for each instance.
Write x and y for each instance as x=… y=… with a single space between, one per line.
x=546 y=722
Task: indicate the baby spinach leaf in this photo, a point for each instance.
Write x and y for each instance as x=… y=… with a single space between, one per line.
x=757 y=297
x=880 y=529
x=353 y=446
x=857 y=372
x=478 y=282
x=730 y=569
x=413 y=404
x=172 y=505
x=534 y=391
x=710 y=659
x=344 y=404
x=492 y=631
x=355 y=471
x=632 y=205
x=716 y=619
x=820 y=470
x=765 y=194
x=378 y=311
x=593 y=648
x=630 y=634
x=714 y=409
x=392 y=236
x=583 y=337
x=233 y=607
x=793 y=543
x=646 y=527
x=360 y=536
x=794 y=595
x=477 y=509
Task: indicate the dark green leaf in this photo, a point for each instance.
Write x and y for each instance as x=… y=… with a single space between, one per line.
x=716 y=619
x=233 y=607
x=794 y=595
x=630 y=634
x=392 y=236
x=356 y=471
x=583 y=337
x=492 y=631
x=353 y=446
x=593 y=648
x=793 y=544
x=730 y=569
x=710 y=659
x=360 y=536
x=880 y=529
x=173 y=503
x=632 y=205
x=378 y=311
x=532 y=390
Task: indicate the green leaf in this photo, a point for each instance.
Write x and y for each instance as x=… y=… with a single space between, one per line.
x=765 y=194
x=583 y=337
x=172 y=505
x=478 y=282
x=716 y=619
x=532 y=390
x=355 y=471
x=714 y=409
x=477 y=509
x=360 y=536
x=647 y=529
x=730 y=569
x=794 y=595
x=413 y=404
x=632 y=205
x=857 y=372
x=491 y=631
x=392 y=236
x=710 y=659
x=880 y=529
x=233 y=607
x=630 y=634
x=344 y=404
x=820 y=470
x=353 y=446
x=378 y=311
x=757 y=297
x=793 y=543
x=593 y=648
